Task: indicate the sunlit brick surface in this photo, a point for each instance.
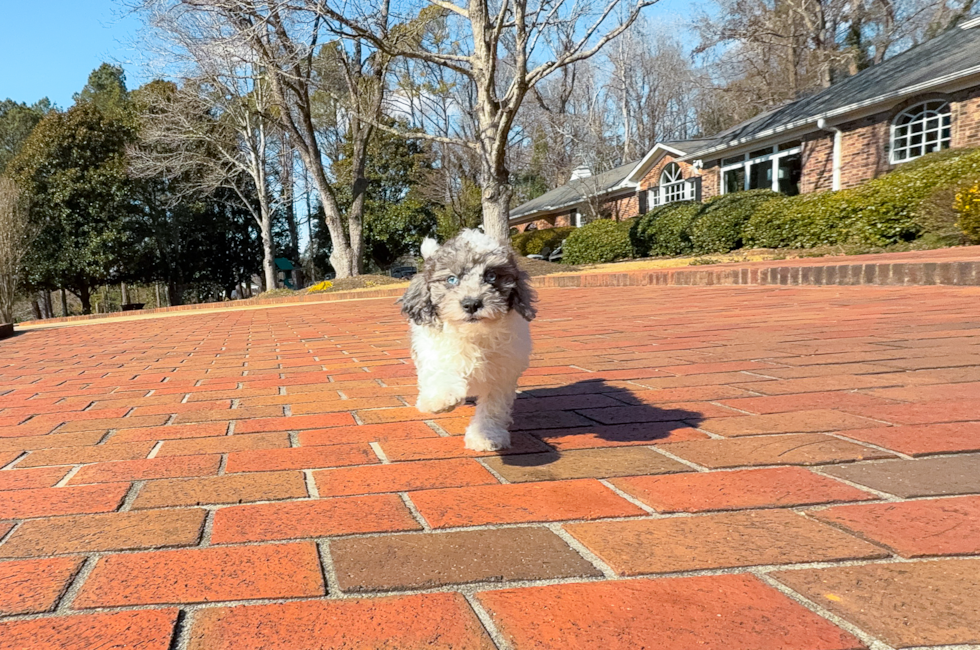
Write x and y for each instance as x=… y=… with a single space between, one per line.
x=711 y=467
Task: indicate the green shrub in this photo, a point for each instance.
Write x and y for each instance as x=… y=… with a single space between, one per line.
x=719 y=225
x=535 y=241
x=665 y=230
x=967 y=205
x=603 y=240
x=802 y=221
x=882 y=212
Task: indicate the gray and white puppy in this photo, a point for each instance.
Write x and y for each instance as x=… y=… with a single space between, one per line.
x=469 y=309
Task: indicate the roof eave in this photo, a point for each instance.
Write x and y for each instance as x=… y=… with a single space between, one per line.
x=564 y=207
x=659 y=147
x=811 y=121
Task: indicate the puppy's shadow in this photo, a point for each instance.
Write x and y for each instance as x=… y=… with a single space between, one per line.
x=569 y=416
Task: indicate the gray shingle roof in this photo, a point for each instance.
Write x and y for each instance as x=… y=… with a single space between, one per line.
x=574 y=191
x=955 y=52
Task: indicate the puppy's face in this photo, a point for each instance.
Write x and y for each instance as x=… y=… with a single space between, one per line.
x=469 y=279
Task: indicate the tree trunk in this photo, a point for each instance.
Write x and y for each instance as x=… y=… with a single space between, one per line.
x=86 y=299
x=495 y=201
x=286 y=165
x=123 y=293
x=35 y=310
x=64 y=302
x=48 y=307
x=156 y=285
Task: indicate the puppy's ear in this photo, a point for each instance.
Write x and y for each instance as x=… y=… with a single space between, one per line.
x=429 y=246
x=522 y=297
x=417 y=302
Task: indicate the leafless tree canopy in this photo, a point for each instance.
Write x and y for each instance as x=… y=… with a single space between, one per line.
x=15 y=235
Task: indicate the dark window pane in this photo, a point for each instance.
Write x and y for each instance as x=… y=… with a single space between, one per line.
x=790 y=145
x=760 y=152
x=734 y=180
x=760 y=176
x=790 y=171
x=734 y=160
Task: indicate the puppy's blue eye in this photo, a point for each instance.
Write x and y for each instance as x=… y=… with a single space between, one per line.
x=490 y=276
x=452 y=280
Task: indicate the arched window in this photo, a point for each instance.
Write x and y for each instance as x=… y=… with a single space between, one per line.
x=919 y=130
x=672 y=184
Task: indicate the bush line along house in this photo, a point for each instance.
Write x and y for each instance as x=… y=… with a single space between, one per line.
x=923 y=100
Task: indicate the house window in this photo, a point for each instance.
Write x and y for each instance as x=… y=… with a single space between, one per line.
x=672 y=183
x=773 y=168
x=919 y=130
x=672 y=187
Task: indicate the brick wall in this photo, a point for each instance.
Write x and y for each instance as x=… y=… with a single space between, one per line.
x=818 y=163
x=710 y=179
x=864 y=149
x=965 y=106
x=624 y=207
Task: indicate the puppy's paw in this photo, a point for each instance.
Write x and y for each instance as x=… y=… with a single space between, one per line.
x=479 y=443
x=438 y=404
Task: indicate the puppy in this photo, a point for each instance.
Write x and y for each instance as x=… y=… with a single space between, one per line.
x=469 y=308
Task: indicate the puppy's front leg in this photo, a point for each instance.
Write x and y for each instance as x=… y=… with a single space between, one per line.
x=487 y=430
x=440 y=392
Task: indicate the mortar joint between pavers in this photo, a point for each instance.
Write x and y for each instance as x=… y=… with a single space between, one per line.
x=311 y=487
x=873 y=643
x=496 y=636
x=67 y=477
x=156 y=449
x=580 y=548
x=205 y=538
x=683 y=461
x=182 y=631
x=871 y=445
x=357 y=418
x=327 y=570
x=496 y=474
x=415 y=511
x=14 y=462
x=379 y=452
x=170 y=419
x=71 y=591
x=130 y=497
x=629 y=497
x=435 y=426
x=10 y=532
x=222 y=464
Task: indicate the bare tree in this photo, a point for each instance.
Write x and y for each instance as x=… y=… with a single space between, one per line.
x=15 y=236
x=214 y=132
x=503 y=49
x=284 y=38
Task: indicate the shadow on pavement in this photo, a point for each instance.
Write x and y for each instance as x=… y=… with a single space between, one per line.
x=593 y=409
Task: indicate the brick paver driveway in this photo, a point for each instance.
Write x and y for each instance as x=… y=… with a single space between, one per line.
x=694 y=467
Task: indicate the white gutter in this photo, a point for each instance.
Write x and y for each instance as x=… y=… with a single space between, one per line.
x=838 y=137
x=897 y=94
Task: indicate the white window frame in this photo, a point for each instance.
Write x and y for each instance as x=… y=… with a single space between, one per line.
x=943 y=115
x=773 y=157
x=671 y=188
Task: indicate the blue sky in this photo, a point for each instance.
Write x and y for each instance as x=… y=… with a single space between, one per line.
x=48 y=47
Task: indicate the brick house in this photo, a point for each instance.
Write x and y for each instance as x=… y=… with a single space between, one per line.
x=922 y=100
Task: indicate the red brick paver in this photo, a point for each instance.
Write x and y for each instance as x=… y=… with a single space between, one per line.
x=234 y=479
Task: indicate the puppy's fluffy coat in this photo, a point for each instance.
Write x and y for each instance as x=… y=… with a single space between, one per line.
x=469 y=308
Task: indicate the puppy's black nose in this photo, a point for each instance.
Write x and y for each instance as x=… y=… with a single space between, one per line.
x=471 y=305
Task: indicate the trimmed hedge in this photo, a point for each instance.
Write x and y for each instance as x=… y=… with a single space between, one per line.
x=533 y=242
x=598 y=242
x=883 y=211
x=967 y=205
x=665 y=230
x=719 y=225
